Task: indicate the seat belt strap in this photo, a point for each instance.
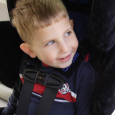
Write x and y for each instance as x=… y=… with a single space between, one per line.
x=24 y=98
x=52 y=83
x=46 y=101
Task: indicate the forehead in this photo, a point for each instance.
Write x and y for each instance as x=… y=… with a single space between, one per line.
x=55 y=30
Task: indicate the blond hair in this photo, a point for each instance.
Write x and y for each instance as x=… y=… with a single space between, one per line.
x=30 y=15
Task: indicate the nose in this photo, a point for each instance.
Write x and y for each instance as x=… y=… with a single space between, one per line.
x=64 y=47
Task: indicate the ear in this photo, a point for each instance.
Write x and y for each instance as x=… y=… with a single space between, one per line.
x=71 y=22
x=27 y=49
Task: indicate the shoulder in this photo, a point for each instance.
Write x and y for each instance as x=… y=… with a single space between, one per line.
x=86 y=74
x=84 y=66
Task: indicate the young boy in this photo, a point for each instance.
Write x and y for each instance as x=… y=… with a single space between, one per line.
x=51 y=45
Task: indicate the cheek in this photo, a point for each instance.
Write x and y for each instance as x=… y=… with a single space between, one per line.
x=49 y=59
x=75 y=43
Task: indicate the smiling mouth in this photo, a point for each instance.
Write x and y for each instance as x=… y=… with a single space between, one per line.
x=65 y=58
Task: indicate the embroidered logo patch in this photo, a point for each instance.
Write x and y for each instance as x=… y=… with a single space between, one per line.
x=64 y=89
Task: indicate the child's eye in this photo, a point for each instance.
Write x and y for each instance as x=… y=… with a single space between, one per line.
x=67 y=34
x=50 y=43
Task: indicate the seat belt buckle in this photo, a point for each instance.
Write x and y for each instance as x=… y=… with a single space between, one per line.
x=48 y=80
x=52 y=81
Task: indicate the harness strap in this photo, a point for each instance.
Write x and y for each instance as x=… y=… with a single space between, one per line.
x=24 y=98
x=46 y=101
x=52 y=83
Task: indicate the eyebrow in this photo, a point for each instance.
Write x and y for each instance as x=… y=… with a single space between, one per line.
x=50 y=39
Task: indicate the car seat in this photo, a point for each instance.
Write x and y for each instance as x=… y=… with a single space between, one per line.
x=10 y=63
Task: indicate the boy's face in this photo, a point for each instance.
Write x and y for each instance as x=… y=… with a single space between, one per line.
x=56 y=45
